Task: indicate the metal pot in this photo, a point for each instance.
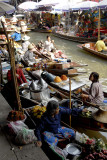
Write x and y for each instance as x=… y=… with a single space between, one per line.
x=73 y=149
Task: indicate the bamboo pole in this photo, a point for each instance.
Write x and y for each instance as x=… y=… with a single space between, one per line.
x=70 y=99
x=99 y=26
x=12 y=61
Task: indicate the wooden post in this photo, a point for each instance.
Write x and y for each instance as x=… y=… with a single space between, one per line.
x=12 y=61
x=99 y=26
x=70 y=99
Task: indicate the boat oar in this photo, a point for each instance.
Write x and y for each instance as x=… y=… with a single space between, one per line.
x=30 y=117
x=68 y=126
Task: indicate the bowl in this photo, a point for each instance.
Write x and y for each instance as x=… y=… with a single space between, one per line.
x=73 y=149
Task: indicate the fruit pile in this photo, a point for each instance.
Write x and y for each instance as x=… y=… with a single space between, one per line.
x=97 y=156
x=38 y=111
x=87 y=114
x=15 y=116
x=60 y=79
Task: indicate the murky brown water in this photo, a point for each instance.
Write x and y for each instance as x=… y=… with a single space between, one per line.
x=75 y=54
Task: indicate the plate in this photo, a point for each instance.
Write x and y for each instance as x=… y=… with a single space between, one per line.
x=73 y=149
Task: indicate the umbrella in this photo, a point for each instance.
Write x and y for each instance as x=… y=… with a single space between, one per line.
x=6 y=8
x=102 y=4
x=28 y=6
x=49 y=2
x=64 y=7
x=84 y=5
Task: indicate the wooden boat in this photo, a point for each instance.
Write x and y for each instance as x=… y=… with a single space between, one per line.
x=90 y=48
x=74 y=38
x=42 y=30
x=69 y=71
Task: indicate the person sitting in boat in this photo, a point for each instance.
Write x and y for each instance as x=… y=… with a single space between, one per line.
x=4 y=52
x=23 y=27
x=28 y=56
x=48 y=44
x=19 y=74
x=100 y=44
x=25 y=43
x=50 y=126
x=16 y=35
x=40 y=26
x=95 y=93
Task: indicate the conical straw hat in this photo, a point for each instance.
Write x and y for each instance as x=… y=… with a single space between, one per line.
x=101 y=114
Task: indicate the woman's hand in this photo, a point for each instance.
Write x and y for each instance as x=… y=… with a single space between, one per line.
x=38 y=143
x=17 y=75
x=84 y=97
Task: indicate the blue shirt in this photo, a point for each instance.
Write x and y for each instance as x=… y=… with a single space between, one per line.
x=50 y=124
x=16 y=36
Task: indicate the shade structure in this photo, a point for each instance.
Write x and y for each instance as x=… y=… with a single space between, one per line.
x=84 y=5
x=6 y=8
x=102 y=4
x=49 y=2
x=64 y=7
x=28 y=6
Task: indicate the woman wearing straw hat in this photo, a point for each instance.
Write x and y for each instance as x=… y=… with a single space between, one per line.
x=16 y=35
x=28 y=56
x=25 y=43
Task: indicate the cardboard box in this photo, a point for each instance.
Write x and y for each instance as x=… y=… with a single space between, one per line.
x=61 y=65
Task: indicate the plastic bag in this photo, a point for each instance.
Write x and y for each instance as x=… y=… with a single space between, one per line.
x=25 y=136
x=17 y=126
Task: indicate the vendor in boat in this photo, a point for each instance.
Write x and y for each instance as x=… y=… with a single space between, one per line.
x=40 y=26
x=19 y=73
x=48 y=44
x=16 y=35
x=28 y=56
x=100 y=44
x=50 y=126
x=94 y=94
x=4 y=52
x=25 y=43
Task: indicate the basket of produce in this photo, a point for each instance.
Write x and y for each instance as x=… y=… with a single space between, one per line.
x=36 y=111
x=16 y=116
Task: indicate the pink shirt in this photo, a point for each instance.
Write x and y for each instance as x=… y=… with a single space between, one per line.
x=96 y=96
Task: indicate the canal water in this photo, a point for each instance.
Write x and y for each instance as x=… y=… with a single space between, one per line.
x=95 y=64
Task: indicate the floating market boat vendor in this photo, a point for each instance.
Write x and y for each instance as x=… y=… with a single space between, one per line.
x=25 y=43
x=16 y=35
x=100 y=44
x=4 y=52
x=28 y=56
x=50 y=126
x=19 y=73
x=94 y=94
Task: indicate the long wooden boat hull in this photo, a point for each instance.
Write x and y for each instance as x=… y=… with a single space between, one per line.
x=59 y=72
x=90 y=48
x=75 y=38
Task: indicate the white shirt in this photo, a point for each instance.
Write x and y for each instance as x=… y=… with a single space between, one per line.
x=28 y=56
x=25 y=46
x=47 y=46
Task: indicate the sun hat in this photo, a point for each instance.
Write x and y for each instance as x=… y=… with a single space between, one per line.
x=23 y=24
x=30 y=46
x=25 y=38
x=101 y=114
x=17 y=30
